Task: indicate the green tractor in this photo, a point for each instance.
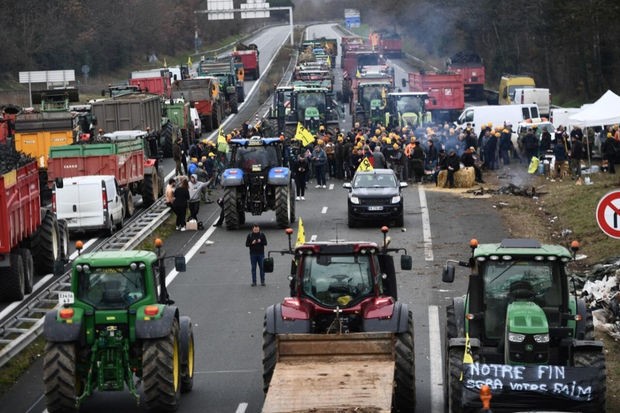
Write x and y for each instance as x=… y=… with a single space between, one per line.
x=118 y=324
x=521 y=332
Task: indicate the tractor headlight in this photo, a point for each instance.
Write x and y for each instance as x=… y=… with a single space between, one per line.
x=396 y=199
x=541 y=338
x=516 y=338
x=354 y=200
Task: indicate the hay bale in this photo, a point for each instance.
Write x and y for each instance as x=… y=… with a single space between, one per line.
x=463 y=178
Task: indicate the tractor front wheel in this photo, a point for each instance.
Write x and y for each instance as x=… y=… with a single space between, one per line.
x=404 y=373
x=593 y=358
x=231 y=213
x=453 y=370
x=269 y=356
x=60 y=377
x=187 y=354
x=284 y=206
x=161 y=371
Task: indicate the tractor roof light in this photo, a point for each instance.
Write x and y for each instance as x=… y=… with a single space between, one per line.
x=506 y=257
x=539 y=258
x=142 y=266
x=385 y=229
x=565 y=259
x=133 y=266
x=574 y=246
x=66 y=313
x=473 y=243
x=289 y=231
x=494 y=257
x=79 y=245
x=159 y=243
x=552 y=258
x=481 y=259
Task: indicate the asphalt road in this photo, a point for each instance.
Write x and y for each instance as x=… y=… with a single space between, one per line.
x=227 y=312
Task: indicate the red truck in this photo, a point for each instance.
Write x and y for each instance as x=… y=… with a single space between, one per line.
x=471 y=66
x=126 y=155
x=446 y=96
x=155 y=81
x=248 y=55
x=26 y=229
x=389 y=44
x=356 y=60
x=204 y=94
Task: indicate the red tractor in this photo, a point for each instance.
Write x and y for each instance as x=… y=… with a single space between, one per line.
x=342 y=314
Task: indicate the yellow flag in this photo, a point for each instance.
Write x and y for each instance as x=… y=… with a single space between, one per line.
x=365 y=165
x=189 y=61
x=467 y=357
x=329 y=61
x=222 y=144
x=358 y=74
x=165 y=64
x=304 y=135
x=301 y=234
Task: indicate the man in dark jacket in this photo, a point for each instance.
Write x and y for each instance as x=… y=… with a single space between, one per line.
x=576 y=155
x=256 y=242
x=609 y=148
x=530 y=144
x=453 y=164
x=469 y=159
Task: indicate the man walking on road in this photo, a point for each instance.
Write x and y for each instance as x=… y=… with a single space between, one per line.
x=256 y=242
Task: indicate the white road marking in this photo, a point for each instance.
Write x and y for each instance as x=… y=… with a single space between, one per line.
x=331 y=187
x=324 y=210
x=435 y=359
x=241 y=408
x=426 y=225
x=313 y=238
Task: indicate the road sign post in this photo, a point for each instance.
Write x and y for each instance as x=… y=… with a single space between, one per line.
x=608 y=214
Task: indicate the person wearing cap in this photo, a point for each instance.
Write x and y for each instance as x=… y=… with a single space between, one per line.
x=490 y=150
x=179 y=202
x=195 y=188
x=530 y=145
x=177 y=154
x=470 y=160
x=505 y=146
x=396 y=160
x=416 y=162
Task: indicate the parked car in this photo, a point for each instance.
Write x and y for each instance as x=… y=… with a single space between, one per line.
x=375 y=196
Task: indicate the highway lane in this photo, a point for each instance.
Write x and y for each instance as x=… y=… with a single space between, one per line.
x=228 y=314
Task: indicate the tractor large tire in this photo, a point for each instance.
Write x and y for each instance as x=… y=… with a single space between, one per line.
x=596 y=359
x=45 y=245
x=269 y=356
x=166 y=139
x=234 y=105
x=231 y=212
x=63 y=233
x=283 y=206
x=13 y=279
x=589 y=330
x=60 y=377
x=28 y=262
x=130 y=207
x=150 y=189
x=453 y=383
x=186 y=339
x=161 y=372
x=404 y=372
x=451 y=325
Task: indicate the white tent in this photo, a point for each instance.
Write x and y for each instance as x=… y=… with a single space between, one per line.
x=605 y=111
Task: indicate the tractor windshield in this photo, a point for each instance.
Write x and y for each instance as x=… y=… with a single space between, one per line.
x=376 y=93
x=337 y=280
x=508 y=281
x=111 y=287
x=256 y=158
x=307 y=100
x=406 y=104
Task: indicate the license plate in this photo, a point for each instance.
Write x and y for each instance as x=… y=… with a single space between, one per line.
x=375 y=208
x=65 y=297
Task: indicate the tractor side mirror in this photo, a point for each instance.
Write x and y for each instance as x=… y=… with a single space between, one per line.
x=406 y=262
x=403 y=82
x=268 y=264
x=447 y=275
x=179 y=264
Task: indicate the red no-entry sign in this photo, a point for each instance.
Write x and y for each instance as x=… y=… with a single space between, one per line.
x=608 y=214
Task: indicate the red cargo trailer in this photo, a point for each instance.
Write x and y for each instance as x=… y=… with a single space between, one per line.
x=446 y=96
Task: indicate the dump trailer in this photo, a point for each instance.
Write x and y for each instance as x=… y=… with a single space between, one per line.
x=248 y=55
x=341 y=341
x=26 y=229
x=521 y=331
x=205 y=95
x=117 y=329
x=446 y=95
x=230 y=84
x=471 y=66
x=156 y=81
x=177 y=111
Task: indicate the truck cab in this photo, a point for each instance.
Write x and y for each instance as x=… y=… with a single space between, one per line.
x=509 y=83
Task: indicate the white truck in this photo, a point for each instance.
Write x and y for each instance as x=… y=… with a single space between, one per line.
x=537 y=95
x=498 y=115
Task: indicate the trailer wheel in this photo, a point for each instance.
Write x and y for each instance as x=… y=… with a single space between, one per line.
x=61 y=380
x=150 y=189
x=186 y=339
x=404 y=373
x=593 y=358
x=269 y=356
x=283 y=206
x=28 y=269
x=231 y=212
x=63 y=232
x=161 y=371
x=45 y=245
x=130 y=207
x=13 y=287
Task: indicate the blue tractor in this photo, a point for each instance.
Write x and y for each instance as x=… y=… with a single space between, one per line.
x=257 y=181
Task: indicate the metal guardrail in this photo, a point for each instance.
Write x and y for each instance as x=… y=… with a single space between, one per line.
x=25 y=323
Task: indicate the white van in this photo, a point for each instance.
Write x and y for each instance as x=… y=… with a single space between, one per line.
x=89 y=203
x=195 y=118
x=537 y=95
x=498 y=115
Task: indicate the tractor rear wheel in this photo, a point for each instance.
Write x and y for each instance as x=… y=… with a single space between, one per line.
x=14 y=279
x=283 y=206
x=166 y=139
x=45 y=245
x=63 y=232
x=60 y=377
x=161 y=371
x=404 y=373
x=269 y=356
x=596 y=359
x=454 y=367
x=231 y=213
x=234 y=105
x=28 y=269
x=187 y=354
